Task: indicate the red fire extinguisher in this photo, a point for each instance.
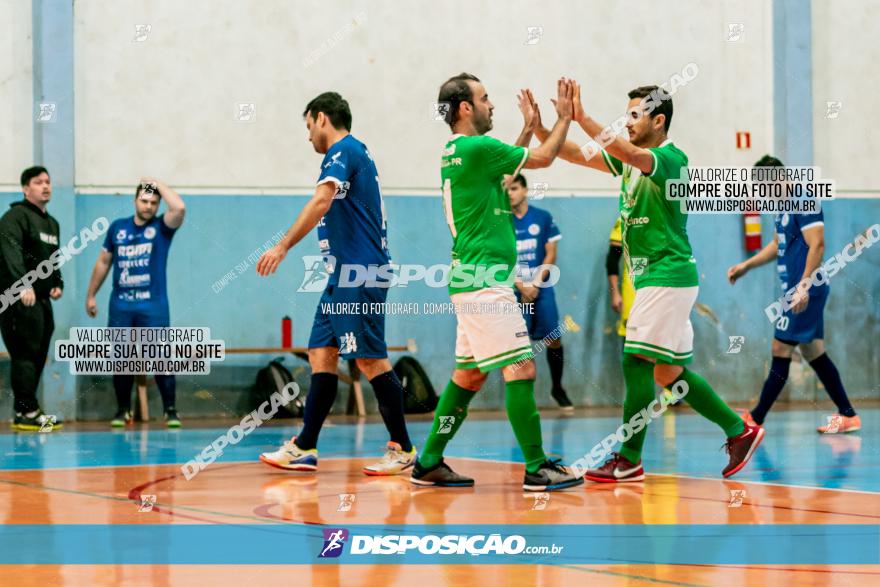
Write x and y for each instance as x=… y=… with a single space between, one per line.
x=286 y=332
x=752 y=232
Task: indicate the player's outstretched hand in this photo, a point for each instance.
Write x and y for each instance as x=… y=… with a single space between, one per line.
x=270 y=260
x=526 y=107
x=736 y=272
x=577 y=106
x=563 y=101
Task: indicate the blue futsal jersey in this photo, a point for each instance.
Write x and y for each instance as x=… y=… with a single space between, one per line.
x=353 y=231
x=792 y=250
x=533 y=231
x=140 y=256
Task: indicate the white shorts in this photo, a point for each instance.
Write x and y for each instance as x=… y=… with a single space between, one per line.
x=659 y=324
x=491 y=332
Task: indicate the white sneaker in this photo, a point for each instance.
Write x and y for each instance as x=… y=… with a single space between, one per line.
x=394 y=462
x=292 y=457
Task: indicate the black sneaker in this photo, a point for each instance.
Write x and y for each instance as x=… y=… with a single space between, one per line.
x=39 y=422
x=440 y=475
x=122 y=418
x=562 y=399
x=550 y=477
x=171 y=419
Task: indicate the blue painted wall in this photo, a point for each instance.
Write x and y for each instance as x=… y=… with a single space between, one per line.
x=222 y=231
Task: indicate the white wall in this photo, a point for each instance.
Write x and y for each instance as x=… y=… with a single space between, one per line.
x=166 y=106
x=846 y=53
x=16 y=92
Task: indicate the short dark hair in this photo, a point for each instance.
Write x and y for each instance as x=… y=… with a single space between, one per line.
x=148 y=188
x=453 y=92
x=334 y=107
x=660 y=98
x=768 y=161
x=520 y=179
x=31 y=172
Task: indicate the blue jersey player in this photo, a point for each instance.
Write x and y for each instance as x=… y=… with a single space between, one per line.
x=797 y=247
x=536 y=238
x=348 y=210
x=136 y=248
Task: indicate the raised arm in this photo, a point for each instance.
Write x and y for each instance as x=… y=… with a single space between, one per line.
x=173 y=217
x=606 y=138
x=570 y=151
x=544 y=154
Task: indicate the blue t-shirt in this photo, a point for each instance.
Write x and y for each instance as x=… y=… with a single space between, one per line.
x=353 y=231
x=140 y=256
x=792 y=252
x=533 y=231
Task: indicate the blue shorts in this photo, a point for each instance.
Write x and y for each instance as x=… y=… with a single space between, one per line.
x=545 y=316
x=804 y=327
x=136 y=319
x=351 y=319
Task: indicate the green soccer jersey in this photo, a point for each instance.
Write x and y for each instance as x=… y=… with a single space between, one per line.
x=655 y=239
x=478 y=210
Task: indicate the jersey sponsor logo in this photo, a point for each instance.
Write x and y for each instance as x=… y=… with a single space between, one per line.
x=449 y=151
x=534 y=229
x=455 y=161
x=120 y=234
x=135 y=250
x=638 y=220
x=526 y=244
x=49 y=238
x=784 y=220
x=127 y=279
x=149 y=232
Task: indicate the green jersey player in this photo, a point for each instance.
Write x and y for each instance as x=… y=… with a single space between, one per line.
x=491 y=333
x=659 y=335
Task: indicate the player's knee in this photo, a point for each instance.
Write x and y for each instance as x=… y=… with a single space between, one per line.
x=471 y=379
x=665 y=375
x=812 y=350
x=555 y=343
x=521 y=370
x=373 y=367
x=782 y=349
x=323 y=360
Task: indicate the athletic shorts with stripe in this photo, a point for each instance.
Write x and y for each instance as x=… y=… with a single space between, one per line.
x=659 y=324
x=491 y=332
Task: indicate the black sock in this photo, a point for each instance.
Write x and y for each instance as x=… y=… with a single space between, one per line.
x=389 y=394
x=773 y=385
x=556 y=359
x=830 y=378
x=122 y=386
x=167 y=385
x=322 y=395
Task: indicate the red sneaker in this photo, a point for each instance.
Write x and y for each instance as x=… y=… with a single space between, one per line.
x=741 y=448
x=617 y=469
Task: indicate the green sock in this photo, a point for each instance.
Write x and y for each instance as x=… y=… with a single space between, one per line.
x=639 y=377
x=450 y=413
x=706 y=402
x=525 y=420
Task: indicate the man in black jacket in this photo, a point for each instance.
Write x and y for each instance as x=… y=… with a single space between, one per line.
x=28 y=237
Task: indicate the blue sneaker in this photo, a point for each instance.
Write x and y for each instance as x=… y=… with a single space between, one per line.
x=292 y=457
